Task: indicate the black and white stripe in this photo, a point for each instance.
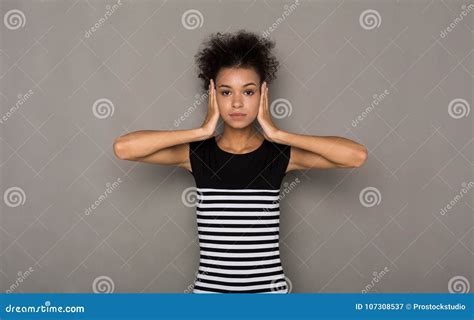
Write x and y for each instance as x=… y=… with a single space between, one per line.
x=238 y=235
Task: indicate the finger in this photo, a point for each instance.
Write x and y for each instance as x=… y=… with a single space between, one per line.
x=266 y=97
x=211 y=97
x=215 y=94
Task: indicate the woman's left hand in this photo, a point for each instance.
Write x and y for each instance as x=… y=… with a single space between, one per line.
x=264 y=116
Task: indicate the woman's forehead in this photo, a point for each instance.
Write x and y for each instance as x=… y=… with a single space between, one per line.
x=237 y=77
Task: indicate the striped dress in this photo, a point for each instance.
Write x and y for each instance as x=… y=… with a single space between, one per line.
x=238 y=215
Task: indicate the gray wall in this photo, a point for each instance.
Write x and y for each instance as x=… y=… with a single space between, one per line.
x=75 y=219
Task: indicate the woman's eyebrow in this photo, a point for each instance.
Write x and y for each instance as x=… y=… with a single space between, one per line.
x=245 y=85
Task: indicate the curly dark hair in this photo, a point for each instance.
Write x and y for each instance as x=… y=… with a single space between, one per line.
x=239 y=49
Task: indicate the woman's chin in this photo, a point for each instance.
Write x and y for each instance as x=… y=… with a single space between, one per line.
x=237 y=124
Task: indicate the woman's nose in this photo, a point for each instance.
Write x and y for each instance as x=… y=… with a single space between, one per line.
x=237 y=103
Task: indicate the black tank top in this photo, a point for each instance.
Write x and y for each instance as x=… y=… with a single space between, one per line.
x=238 y=216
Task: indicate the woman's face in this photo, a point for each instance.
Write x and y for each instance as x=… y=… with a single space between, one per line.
x=238 y=92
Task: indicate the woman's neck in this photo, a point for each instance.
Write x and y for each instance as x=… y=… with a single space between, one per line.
x=240 y=140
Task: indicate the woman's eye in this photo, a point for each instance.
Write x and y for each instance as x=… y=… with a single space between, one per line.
x=247 y=92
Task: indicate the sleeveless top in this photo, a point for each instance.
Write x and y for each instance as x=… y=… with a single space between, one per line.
x=238 y=217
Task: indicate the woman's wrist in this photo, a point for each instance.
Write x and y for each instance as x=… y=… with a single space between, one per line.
x=204 y=133
x=278 y=136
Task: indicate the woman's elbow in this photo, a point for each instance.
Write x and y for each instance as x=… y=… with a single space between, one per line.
x=120 y=149
x=361 y=157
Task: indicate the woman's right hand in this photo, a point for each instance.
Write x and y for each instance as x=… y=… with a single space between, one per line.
x=210 y=123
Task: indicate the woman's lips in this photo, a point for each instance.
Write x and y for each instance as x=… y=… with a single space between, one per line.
x=237 y=115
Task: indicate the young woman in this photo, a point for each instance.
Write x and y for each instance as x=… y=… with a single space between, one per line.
x=238 y=173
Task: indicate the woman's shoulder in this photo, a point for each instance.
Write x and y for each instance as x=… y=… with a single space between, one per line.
x=201 y=144
x=278 y=146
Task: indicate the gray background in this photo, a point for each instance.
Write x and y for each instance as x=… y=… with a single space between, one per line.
x=57 y=149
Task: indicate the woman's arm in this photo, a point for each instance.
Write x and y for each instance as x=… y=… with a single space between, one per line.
x=321 y=152
x=158 y=147
x=167 y=147
x=311 y=152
